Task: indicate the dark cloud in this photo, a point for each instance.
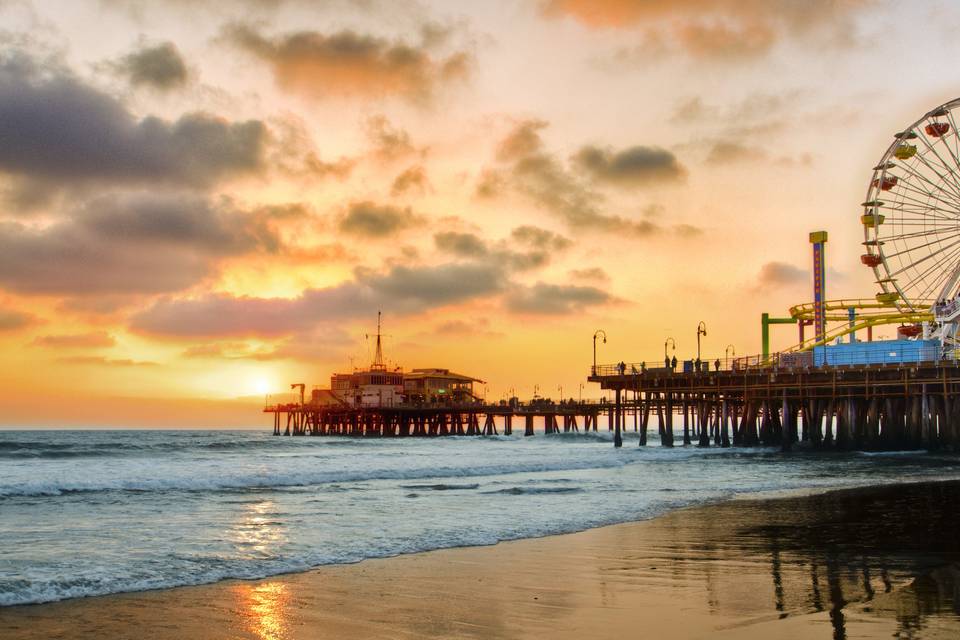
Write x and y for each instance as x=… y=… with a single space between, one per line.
x=352 y=64
x=467 y=245
x=630 y=167
x=479 y=327
x=11 y=320
x=400 y=290
x=543 y=178
x=592 y=273
x=390 y=143
x=781 y=273
x=490 y=184
x=157 y=66
x=724 y=152
x=542 y=239
x=552 y=299
x=56 y=129
x=127 y=245
x=720 y=29
x=293 y=152
x=377 y=220
x=523 y=141
x=92 y=340
x=412 y=179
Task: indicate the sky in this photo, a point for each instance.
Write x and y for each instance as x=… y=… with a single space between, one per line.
x=205 y=201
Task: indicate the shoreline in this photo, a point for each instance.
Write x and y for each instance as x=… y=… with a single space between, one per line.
x=861 y=545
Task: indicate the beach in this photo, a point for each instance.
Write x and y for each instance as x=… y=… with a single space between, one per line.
x=854 y=563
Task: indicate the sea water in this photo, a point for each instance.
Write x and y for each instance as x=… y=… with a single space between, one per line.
x=85 y=513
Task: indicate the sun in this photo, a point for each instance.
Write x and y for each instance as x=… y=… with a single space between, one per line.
x=261 y=385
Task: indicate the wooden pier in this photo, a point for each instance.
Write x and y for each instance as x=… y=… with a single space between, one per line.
x=856 y=407
x=298 y=419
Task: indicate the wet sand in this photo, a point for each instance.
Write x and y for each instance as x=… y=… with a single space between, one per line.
x=868 y=563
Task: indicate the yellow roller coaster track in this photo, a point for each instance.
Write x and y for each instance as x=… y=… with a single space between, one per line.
x=867 y=313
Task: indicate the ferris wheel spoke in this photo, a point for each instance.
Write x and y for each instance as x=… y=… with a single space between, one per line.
x=935 y=188
x=937 y=283
x=949 y=170
x=923 y=246
x=906 y=186
x=944 y=139
x=912 y=234
x=947 y=206
x=929 y=256
x=921 y=276
x=956 y=148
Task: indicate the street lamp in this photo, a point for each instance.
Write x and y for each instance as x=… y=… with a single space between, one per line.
x=730 y=351
x=701 y=331
x=666 y=358
x=598 y=332
x=560 y=389
x=581 y=393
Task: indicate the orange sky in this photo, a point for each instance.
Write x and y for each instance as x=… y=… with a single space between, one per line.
x=203 y=200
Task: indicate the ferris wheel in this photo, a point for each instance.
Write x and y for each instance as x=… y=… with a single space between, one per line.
x=911 y=215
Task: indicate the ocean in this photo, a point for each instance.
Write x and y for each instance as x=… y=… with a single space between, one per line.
x=86 y=513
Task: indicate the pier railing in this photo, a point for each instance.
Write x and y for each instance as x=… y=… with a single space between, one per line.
x=898 y=356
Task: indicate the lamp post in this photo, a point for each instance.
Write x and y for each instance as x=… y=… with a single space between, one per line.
x=597 y=333
x=701 y=331
x=666 y=357
x=729 y=351
x=560 y=389
x=581 y=393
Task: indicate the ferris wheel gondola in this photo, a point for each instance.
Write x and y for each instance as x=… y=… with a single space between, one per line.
x=911 y=220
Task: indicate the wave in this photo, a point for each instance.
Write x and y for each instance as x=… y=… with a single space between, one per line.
x=526 y=491
x=441 y=487
x=257 y=480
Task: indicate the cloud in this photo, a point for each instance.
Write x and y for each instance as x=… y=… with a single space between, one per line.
x=542 y=239
x=390 y=143
x=412 y=179
x=719 y=29
x=592 y=273
x=58 y=130
x=528 y=169
x=133 y=244
x=467 y=245
x=347 y=63
x=630 y=167
x=400 y=290
x=377 y=221
x=159 y=66
x=552 y=299
x=724 y=152
x=92 y=340
x=460 y=328
x=11 y=320
x=781 y=273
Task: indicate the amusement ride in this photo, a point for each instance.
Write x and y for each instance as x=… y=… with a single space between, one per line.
x=911 y=225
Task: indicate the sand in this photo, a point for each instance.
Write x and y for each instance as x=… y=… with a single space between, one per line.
x=871 y=563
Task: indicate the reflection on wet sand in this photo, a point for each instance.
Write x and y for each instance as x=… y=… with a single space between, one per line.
x=264 y=607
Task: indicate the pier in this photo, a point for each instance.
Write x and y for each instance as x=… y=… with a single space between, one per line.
x=477 y=419
x=843 y=407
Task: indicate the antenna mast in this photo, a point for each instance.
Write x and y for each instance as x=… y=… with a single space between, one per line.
x=378 y=356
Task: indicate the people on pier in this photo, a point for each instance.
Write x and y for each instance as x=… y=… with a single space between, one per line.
x=673 y=363
x=716 y=364
x=623 y=367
